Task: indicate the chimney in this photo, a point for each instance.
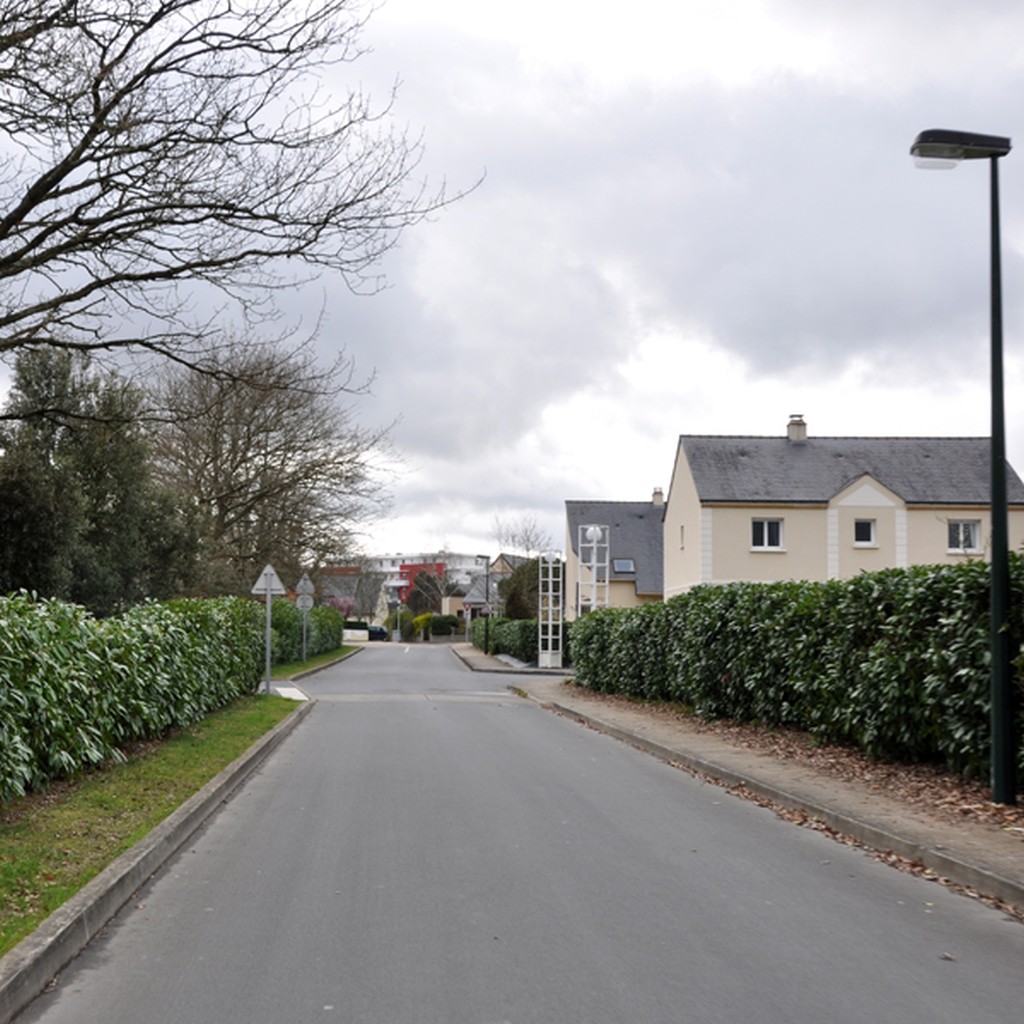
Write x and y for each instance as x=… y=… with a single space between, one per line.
x=658 y=497
x=796 y=431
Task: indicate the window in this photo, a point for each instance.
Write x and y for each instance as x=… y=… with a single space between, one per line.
x=864 y=533
x=623 y=565
x=766 y=534
x=682 y=536
x=964 y=534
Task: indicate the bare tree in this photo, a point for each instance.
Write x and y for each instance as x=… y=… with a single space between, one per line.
x=160 y=158
x=269 y=461
x=521 y=535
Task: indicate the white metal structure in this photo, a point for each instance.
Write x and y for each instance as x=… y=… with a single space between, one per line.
x=549 y=612
x=592 y=588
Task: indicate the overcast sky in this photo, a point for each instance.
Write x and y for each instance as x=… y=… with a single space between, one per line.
x=696 y=217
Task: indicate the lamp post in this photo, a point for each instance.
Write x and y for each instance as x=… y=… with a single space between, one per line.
x=939 y=147
x=486 y=559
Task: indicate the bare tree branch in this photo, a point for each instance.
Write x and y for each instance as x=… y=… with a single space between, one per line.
x=149 y=147
x=270 y=459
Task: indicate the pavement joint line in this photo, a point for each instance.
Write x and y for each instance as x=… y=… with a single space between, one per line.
x=957 y=870
x=463 y=697
x=27 y=970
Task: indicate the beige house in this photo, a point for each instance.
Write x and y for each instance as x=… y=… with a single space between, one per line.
x=630 y=570
x=799 y=507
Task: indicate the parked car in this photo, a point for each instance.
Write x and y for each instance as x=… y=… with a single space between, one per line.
x=379 y=633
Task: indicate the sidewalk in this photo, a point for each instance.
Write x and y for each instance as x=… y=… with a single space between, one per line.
x=979 y=857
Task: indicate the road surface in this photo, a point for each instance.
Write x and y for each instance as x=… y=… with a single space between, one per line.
x=428 y=848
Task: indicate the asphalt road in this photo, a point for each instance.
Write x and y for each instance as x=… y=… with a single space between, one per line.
x=427 y=848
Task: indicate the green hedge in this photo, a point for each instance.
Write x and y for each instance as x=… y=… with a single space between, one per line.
x=74 y=688
x=518 y=637
x=325 y=630
x=895 y=662
x=444 y=625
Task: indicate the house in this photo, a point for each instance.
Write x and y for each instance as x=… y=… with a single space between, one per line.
x=799 y=507
x=620 y=565
x=483 y=594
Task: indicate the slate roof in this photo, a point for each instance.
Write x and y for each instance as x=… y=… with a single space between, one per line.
x=921 y=470
x=635 y=532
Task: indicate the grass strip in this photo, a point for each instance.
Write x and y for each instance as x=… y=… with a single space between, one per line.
x=292 y=668
x=53 y=843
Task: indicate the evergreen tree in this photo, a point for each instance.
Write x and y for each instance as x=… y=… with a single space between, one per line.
x=82 y=518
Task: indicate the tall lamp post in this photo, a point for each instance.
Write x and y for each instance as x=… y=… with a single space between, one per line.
x=940 y=147
x=486 y=561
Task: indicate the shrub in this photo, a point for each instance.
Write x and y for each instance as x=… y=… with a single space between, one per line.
x=895 y=662
x=444 y=625
x=74 y=688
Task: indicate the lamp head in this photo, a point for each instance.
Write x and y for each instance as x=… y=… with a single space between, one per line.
x=943 y=147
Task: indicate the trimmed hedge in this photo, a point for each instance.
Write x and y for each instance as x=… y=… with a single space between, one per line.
x=325 y=630
x=444 y=625
x=894 y=662
x=74 y=688
x=518 y=637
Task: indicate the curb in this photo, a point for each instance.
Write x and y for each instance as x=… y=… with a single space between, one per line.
x=320 y=668
x=957 y=870
x=525 y=670
x=28 y=968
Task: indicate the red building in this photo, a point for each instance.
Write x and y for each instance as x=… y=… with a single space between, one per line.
x=410 y=571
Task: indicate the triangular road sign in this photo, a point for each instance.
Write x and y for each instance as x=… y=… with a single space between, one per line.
x=270 y=582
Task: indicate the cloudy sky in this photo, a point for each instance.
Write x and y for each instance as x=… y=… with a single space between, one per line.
x=695 y=217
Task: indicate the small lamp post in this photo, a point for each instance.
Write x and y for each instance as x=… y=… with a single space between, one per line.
x=940 y=147
x=396 y=626
x=486 y=559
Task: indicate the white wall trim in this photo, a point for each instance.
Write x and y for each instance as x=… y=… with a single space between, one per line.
x=706 y=549
x=902 y=540
x=832 y=543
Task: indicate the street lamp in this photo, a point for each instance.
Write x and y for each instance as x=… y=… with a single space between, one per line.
x=486 y=560
x=943 y=148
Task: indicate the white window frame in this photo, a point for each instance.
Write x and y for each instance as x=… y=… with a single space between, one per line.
x=766 y=522
x=974 y=526
x=872 y=541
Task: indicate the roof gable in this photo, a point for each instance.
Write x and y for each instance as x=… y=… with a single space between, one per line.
x=921 y=470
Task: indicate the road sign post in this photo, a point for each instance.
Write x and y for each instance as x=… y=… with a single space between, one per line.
x=305 y=589
x=268 y=585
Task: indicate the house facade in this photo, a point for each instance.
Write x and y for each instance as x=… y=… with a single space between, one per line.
x=799 y=507
x=630 y=565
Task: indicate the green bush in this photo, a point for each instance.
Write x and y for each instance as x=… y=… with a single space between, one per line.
x=74 y=688
x=895 y=662
x=325 y=630
x=403 y=622
x=444 y=625
x=515 y=637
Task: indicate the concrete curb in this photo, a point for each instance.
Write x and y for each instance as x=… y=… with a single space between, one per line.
x=28 y=968
x=485 y=663
x=320 y=668
x=956 y=870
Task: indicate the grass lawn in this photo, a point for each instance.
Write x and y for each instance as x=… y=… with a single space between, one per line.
x=53 y=843
x=291 y=668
